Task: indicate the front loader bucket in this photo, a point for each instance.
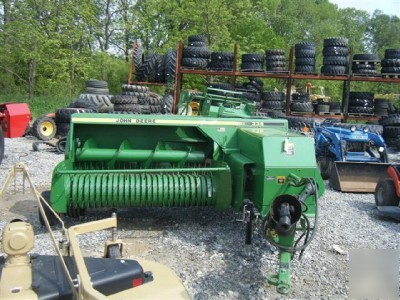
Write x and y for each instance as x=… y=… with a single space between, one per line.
x=359 y=177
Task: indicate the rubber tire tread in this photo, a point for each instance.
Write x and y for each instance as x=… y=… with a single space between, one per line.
x=335 y=51
x=361 y=95
x=124 y=99
x=222 y=56
x=197 y=38
x=134 y=88
x=301 y=107
x=253 y=57
x=63 y=115
x=333 y=70
x=169 y=66
x=366 y=57
x=335 y=60
x=336 y=42
x=36 y=128
x=200 y=63
x=199 y=52
x=304 y=45
x=360 y=110
x=388 y=190
x=63 y=128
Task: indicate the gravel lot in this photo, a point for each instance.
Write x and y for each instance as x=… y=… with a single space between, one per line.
x=205 y=248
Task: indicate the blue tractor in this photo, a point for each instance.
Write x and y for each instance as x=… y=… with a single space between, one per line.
x=351 y=156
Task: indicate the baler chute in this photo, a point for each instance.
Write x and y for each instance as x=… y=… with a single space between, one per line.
x=117 y=161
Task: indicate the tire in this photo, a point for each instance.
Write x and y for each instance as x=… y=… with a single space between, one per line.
x=97 y=103
x=197 y=38
x=63 y=129
x=385 y=193
x=133 y=108
x=124 y=99
x=390 y=70
x=97 y=91
x=277 y=105
x=138 y=54
x=199 y=52
x=44 y=128
x=335 y=51
x=97 y=84
x=220 y=65
x=364 y=70
x=1 y=145
x=51 y=218
x=305 y=69
x=305 y=53
x=392 y=54
x=113 y=251
x=335 y=60
x=391 y=131
x=381 y=103
x=199 y=63
x=168 y=102
x=138 y=95
x=61 y=145
x=147 y=70
x=390 y=120
x=361 y=102
x=160 y=72
x=304 y=45
x=333 y=70
x=361 y=110
x=273 y=52
x=301 y=107
x=390 y=63
x=273 y=96
x=336 y=42
x=197 y=44
x=275 y=64
x=325 y=166
x=155 y=99
x=366 y=57
x=300 y=97
x=361 y=95
x=169 y=66
x=305 y=61
x=253 y=57
x=63 y=115
x=222 y=56
x=323 y=108
x=135 y=88
x=275 y=58
x=252 y=66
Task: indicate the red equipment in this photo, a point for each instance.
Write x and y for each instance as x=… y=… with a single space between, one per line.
x=14 y=119
x=387 y=193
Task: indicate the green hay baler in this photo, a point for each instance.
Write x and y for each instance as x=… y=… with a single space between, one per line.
x=254 y=165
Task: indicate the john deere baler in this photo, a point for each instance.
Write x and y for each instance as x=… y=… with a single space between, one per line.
x=254 y=165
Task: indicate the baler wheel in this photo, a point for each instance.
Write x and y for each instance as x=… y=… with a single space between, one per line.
x=385 y=193
x=1 y=144
x=44 y=128
x=113 y=251
x=49 y=214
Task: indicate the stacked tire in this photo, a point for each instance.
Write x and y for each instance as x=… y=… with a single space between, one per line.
x=221 y=61
x=273 y=100
x=134 y=99
x=391 y=62
x=361 y=103
x=63 y=116
x=196 y=55
x=304 y=57
x=391 y=129
x=97 y=87
x=148 y=69
x=323 y=107
x=335 y=107
x=96 y=98
x=253 y=89
x=381 y=107
x=301 y=103
x=335 y=56
x=275 y=60
x=364 y=64
x=252 y=62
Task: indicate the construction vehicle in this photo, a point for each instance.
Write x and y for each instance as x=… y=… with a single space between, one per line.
x=387 y=193
x=315 y=97
x=254 y=165
x=70 y=275
x=351 y=157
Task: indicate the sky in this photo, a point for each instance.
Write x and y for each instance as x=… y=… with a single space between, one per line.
x=389 y=7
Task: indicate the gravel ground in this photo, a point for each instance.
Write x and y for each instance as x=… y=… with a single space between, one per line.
x=205 y=248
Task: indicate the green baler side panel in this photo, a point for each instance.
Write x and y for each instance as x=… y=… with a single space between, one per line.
x=175 y=151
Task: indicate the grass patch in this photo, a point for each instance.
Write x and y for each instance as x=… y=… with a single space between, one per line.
x=40 y=104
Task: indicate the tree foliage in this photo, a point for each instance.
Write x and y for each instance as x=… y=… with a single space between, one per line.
x=51 y=47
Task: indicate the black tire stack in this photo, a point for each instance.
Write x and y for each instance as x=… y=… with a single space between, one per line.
x=335 y=56
x=364 y=64
x=273 y=100
x=361 y=103
x=252 y=62
x=96 y=98
x=301 y=103
x=391 y=63
x=391 y=129
x=134 y=99
x=381 y=107
x=148 y=69
x=196 y=55
x=275 y=60
x=323 y=107
x=335 y=107
x=63 y=118
x=221 y=61
x=252 y=89
x=305 y=57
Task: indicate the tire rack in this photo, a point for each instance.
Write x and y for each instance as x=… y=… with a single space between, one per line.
x=290 y=76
